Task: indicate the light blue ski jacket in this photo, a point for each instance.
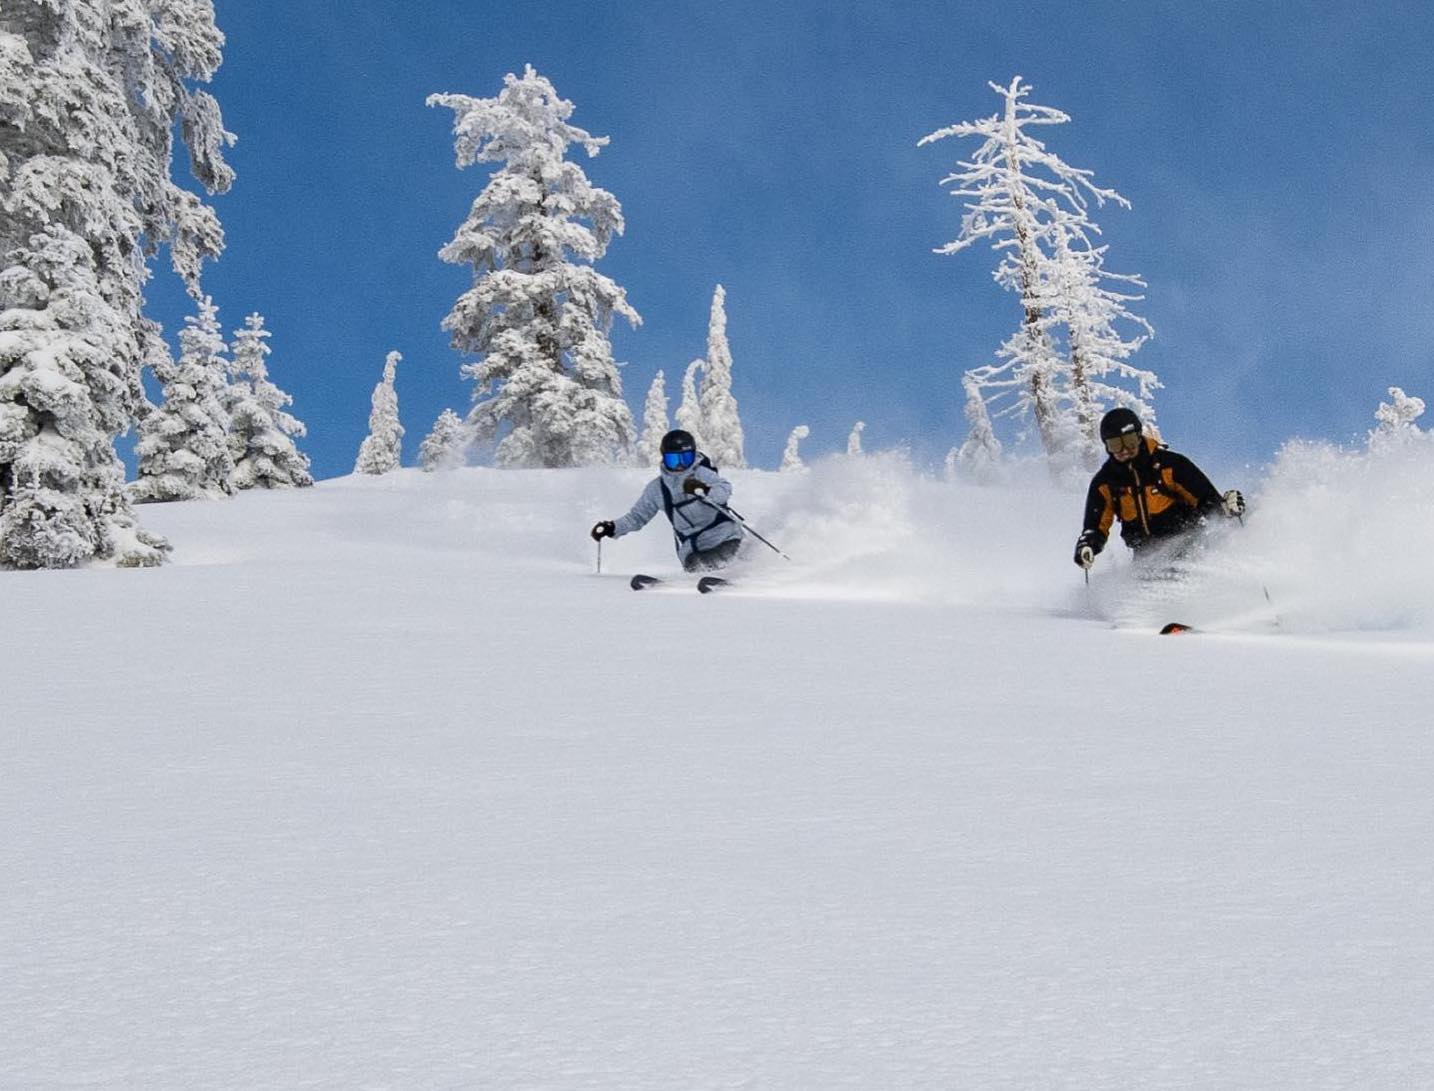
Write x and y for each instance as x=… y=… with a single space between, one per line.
x=696 y=525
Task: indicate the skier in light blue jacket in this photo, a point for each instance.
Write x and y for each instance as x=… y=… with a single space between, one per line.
x=691 y=491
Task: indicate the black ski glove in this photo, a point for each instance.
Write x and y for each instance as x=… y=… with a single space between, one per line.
x=1087 y=546
x=693 y=487
x=1233 y=503
x=606 y=529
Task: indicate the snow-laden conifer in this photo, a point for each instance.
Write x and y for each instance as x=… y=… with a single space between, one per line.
x=654 y=422
x=90 y=93
x=260 y=432
x=381 y=450
x=791 y=458
x=1396 y=419
x=1034 y=208
x=689 y=409
x=183 y=449
x=721 y=424
x=446 y=447
x=853 y=440
x=979 y=455
x=547 y=389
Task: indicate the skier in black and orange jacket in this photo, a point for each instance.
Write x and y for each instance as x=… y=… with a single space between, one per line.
x=1154 y=492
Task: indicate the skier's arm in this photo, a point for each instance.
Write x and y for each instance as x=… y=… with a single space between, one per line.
x=1195 y=488
x=648 y=505
x=719 y=489
x=1099 y=515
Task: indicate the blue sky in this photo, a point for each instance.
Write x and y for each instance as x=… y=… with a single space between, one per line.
x=1276 y=157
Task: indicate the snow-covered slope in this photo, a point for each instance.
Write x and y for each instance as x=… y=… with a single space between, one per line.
x=379 y=786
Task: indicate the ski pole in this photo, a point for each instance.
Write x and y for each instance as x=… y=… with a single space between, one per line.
x=743 y=524
x=599 y=571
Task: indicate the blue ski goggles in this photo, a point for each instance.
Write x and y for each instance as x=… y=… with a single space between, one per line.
x=678 y=460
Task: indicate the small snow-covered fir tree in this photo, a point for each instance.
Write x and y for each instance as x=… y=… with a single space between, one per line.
x=791 y=458
x=547 y=389
x=1034 y=208
x=1396 y=419
x=446 y=447
x=183 y=449
x=654 y=422
x=91 y=92
x=721 y=424
x=981 y=452
x=853 y=441
x=689 y=410
x=381 y=450
x=260 y=432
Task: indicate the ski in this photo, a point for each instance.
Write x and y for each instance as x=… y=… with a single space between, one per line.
x=638 y=582
x=708 y=584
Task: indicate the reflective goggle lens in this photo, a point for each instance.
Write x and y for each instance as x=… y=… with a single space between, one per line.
x=1128 y=443
x=679 y=460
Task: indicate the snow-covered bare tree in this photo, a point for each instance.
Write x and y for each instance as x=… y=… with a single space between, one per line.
x=721 y=424
x=791 y=459
x=183 y=449
x=689 y=409
x=654 y=422
x=260 y=432
x=1034 y=208
x=853 y=441
x=446 y=447
x=381 y=450
x=1101 y=332
x=1396 y=419
x=90 y=95
x=547 y=389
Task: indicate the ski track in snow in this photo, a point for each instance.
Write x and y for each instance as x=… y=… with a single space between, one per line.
x=378 y=786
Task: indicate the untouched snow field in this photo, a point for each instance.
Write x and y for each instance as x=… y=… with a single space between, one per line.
x=378 y=786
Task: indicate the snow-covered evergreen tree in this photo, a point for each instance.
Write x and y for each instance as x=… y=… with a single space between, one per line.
x=90 y=92
x=1034 y=208
x=654 y=423
x=260 y=432
x=689 y=410
x=853 y=441
x=981 y=452
x=1396 y=419
x=721 y=424
x=791 y=459
x=183 y=448
x=446 y=447
x=547 y=388
x=381 y=450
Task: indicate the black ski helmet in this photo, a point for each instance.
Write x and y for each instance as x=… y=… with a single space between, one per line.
x=676 y=441
x=1119 y=422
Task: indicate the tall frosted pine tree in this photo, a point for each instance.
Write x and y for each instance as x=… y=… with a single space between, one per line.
x=381 y=450
x=654 y=423
x=91 y=92
x=721 y=425
x=547 y=389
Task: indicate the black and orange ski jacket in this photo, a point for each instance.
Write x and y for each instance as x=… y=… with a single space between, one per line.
x=1154 y=495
